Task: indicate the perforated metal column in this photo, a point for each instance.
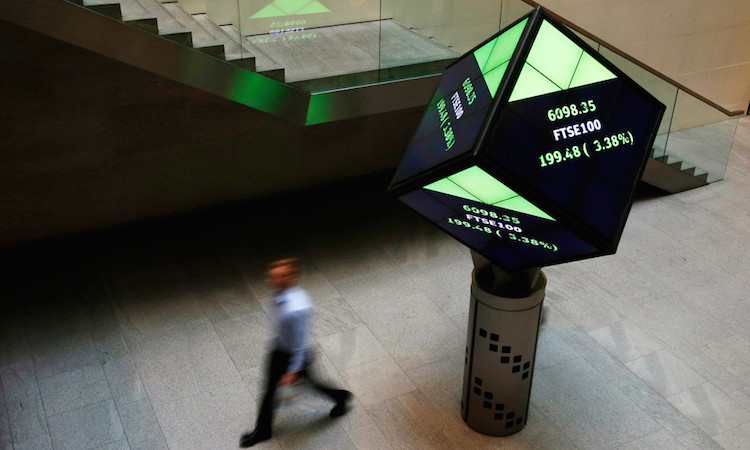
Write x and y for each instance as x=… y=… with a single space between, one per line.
x=499 y=364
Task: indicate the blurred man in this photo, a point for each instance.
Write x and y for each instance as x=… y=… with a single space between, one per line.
x=290 y=358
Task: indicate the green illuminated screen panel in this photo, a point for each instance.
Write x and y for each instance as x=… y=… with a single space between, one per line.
x=585 y=133
x=460 y=105
x=477 y=185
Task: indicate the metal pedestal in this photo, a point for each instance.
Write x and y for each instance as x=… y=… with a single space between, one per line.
x=500 y=349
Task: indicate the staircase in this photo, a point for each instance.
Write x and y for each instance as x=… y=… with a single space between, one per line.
x=673 y=175
x=197 y=31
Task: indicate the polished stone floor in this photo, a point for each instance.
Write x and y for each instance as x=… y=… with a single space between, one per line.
x=152 y=337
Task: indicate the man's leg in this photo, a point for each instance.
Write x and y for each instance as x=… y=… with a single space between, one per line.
x=340 y=396
x=277 y=365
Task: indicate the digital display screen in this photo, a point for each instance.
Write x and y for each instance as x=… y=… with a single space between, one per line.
x=575 y=133
x=459 y=107
x=542 y=166
x=492 y=219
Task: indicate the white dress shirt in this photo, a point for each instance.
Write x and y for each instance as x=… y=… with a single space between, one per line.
x=293 y=318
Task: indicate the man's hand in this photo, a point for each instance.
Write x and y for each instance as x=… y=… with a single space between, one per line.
x=288 y=378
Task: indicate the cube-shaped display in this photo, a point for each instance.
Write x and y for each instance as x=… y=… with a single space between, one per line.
x=531 y=148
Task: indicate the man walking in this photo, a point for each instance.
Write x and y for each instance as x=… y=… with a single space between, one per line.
x=290 y=357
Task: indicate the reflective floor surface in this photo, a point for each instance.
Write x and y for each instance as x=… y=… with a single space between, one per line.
x=152 y=337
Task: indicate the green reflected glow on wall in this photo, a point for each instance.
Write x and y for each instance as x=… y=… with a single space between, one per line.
x=268 y=95
x=477 y=185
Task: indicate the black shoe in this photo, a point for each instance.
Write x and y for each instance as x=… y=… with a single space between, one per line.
x=250 y=439
x=342 y=406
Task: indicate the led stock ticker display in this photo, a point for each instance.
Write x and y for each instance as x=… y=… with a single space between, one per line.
x=531 y=148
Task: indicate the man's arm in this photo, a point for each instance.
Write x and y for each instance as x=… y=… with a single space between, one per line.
x=296 y=327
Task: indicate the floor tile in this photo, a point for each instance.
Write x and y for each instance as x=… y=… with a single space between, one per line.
x=551 y=350
x=210 y=419
x=541 y=433
x=694 y=325
x=625 y=340
x=583 y=344
x=254 y=379
x=446 y=280
x=333 y=315
x=712 y=410
x=13 y=344
x=698 y=441
x=352 y=347
x=104 y=328
x=741 y=396
x=415 y=332
x=225 y=296
x=656 y=406
x=38 y=443
x=574 y=396
x=322 y=433
x=378 y=380
x=735 y=438
x=587 y=315
x=714 y=372
x=6 y=439
x=661 y=439
x=73 y=390
x=123 y=379
x=240 y=337
x=88 y=427
x=407 y=421
x=57 y=354
x=665 y=373
x=368 y=438
x=141 y=426
x=149 y=302
x=23 y=401
x=182 y=361
x=733 y=354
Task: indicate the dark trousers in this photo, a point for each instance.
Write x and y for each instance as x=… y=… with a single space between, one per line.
x=277 y=366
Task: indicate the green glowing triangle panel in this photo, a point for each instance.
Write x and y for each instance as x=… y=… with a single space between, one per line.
x=556 y=63
x=494 y=56
x=531 y=148
x=477 y=185
x=290 y=7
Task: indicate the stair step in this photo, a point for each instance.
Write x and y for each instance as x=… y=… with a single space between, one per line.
x=204 y=32
x=149 y=9
x=237 y=47
x=110 y=9
x=689 y=171
x=149 y=25
x=673 y=175
x=184 y=38
x=245 y=63
x=217 y=51
x=276 y=74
